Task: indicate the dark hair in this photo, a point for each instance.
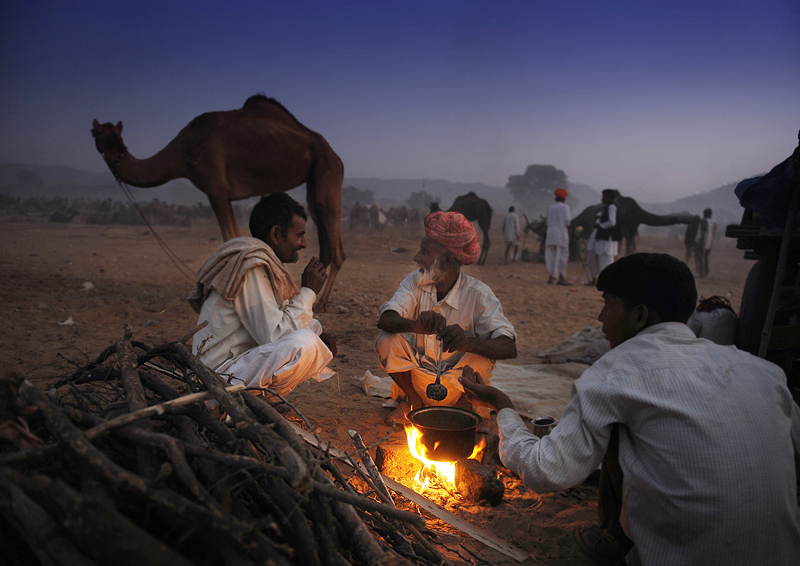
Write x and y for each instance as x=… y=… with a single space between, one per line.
x=511 y=209
x=276 y=209
x=659 y=281
x=707 y=213
x=611 y=193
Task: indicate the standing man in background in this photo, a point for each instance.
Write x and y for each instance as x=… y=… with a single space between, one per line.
x=511 y=233
x=556 y=252
x=603 y=244
x=708 y=231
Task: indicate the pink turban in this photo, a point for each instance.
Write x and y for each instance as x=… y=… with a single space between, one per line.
x=455 y=233
x=562 y=193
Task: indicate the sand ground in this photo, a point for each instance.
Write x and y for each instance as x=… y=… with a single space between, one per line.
x=69 y=289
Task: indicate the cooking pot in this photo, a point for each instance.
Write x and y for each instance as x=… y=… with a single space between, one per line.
x=447 y=433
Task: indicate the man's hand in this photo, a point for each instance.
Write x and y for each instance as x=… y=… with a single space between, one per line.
x=429 y=322
x=314 y=275
x=477 y=392
x=454 y=339
x=328 y=339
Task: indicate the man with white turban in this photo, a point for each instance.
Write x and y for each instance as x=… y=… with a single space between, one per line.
x=438 y=311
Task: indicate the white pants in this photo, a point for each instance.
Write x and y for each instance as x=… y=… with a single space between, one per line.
x=397 y=355
x=598 y=262
x=556 y=257
x=282 y=365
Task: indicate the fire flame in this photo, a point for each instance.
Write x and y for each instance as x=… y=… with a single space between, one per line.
x=444 y=472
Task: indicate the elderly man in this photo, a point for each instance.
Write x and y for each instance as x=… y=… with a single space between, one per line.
x=556 y=250
x=261 y=328
x=439 y=313
x=687 y=478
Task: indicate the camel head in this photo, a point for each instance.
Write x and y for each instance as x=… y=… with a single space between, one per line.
x=108 y=141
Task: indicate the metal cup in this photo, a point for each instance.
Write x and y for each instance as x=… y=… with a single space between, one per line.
x=542 y=426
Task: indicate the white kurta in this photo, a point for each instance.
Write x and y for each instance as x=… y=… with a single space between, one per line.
x=556 y=251
x=470 y=303
x=261 y=342
x=708 y=440
x=511 y=227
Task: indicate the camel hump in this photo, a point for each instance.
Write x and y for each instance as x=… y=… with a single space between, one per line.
x=257 y=101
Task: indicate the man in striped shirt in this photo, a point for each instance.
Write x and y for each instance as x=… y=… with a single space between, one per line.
x=698 y=441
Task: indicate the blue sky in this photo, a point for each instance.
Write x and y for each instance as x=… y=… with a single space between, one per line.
x=657 y=99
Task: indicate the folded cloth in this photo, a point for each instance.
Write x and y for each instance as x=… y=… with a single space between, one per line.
x=224 y=271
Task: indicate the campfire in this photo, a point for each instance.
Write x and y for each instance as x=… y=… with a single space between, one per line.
x=446 y=453
x=432 y=470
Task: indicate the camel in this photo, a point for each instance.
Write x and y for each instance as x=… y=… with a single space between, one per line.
x=475 y=209
x=258 y=149
x=629 y=216
x=359 y=216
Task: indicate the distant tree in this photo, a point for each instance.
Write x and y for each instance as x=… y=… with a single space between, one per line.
x=351 y=194
x=419 y=199
x=534 y=190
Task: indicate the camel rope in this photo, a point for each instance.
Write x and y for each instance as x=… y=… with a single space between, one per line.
x=173 y=257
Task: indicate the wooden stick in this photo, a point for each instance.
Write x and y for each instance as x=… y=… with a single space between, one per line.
x=155 y=410
x=383 y=491
x=437 y=510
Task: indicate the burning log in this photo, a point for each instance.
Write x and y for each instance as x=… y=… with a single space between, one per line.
x=479 y=482
x=163 y=481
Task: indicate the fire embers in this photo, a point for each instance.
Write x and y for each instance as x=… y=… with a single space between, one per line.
x=473 y=478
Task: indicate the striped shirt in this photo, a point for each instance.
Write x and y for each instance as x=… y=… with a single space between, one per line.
x=708 y=440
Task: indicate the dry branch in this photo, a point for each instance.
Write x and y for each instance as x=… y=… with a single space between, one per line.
x=135 y=466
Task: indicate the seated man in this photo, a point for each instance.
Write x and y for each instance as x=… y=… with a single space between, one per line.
x=261 y=328
x=440 y=313
x=699 y=439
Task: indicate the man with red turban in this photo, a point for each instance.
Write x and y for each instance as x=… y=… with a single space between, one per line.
x=440 y=315
x=556 y=251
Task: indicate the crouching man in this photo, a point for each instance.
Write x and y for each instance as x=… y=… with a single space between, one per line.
x=697 y=441
x=261 y=328
x=438 y=312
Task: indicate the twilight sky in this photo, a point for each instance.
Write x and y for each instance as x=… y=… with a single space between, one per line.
x=660 y=99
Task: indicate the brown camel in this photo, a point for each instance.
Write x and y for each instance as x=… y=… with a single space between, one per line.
x=475 y=209
x=629 y=216
x=256 y=150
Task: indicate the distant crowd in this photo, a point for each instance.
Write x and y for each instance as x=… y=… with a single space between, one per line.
x=109 y=211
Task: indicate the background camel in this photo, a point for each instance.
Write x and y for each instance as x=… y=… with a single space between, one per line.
x=475 y=209
x=629 y=216
x=256 y=150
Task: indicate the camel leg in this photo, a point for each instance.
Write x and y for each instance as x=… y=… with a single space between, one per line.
x=324 y=200
x=223 y=210
x=484 y=248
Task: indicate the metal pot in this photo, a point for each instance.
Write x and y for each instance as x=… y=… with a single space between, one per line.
x=447 y=433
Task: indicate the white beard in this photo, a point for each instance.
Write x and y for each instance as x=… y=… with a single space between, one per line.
x=432 y=276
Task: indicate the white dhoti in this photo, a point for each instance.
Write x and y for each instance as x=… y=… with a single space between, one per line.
x=283 y=364
x=397 y=355
x=556 y=257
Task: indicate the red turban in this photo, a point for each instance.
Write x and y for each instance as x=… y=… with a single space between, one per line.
x=455 y=233
x=562 y=193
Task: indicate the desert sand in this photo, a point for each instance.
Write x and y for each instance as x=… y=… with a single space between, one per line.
x=69 y=289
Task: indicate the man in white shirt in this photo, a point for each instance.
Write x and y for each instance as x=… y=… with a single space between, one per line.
x=441 y=315
x=603 y=246
x=511 y=234
x=261 y=329
x=697 y=441
x=556 y=251
x=705 y=239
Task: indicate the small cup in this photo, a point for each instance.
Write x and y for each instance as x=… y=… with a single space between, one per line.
x=542 y=426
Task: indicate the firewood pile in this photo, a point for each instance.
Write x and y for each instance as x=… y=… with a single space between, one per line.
x=123 y=463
